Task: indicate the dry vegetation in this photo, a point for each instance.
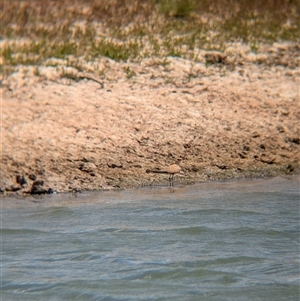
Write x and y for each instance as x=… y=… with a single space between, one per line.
x=215 y=83
x=77 y=31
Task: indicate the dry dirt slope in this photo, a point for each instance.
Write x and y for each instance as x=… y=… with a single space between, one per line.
x=227 y=120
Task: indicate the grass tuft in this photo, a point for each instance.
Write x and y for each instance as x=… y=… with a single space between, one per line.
x=35 y=31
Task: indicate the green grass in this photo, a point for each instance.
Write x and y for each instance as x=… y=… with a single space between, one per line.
x=129 y=73
x=177 y=8
x=114 y=51
x=34 y=31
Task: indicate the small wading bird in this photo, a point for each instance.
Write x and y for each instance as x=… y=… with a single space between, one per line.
x=170 y=170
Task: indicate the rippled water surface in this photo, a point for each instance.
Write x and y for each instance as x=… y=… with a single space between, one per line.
x=236 y=240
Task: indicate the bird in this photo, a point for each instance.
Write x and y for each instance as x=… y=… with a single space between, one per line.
x=170 y=170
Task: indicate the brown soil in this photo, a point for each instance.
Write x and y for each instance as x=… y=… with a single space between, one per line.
x=238 y=117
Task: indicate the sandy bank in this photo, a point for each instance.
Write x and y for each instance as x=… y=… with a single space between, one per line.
x=231 y=119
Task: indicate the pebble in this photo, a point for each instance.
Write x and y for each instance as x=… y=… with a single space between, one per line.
x=37 y=188
x=21 y=180
x=32 y=177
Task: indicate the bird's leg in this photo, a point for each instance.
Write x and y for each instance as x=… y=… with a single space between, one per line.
x=171 y=177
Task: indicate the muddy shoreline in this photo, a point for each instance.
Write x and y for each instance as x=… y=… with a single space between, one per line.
x=30 y=187
x=232 y=119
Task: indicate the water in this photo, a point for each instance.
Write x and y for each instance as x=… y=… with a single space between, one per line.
x=235 y=240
